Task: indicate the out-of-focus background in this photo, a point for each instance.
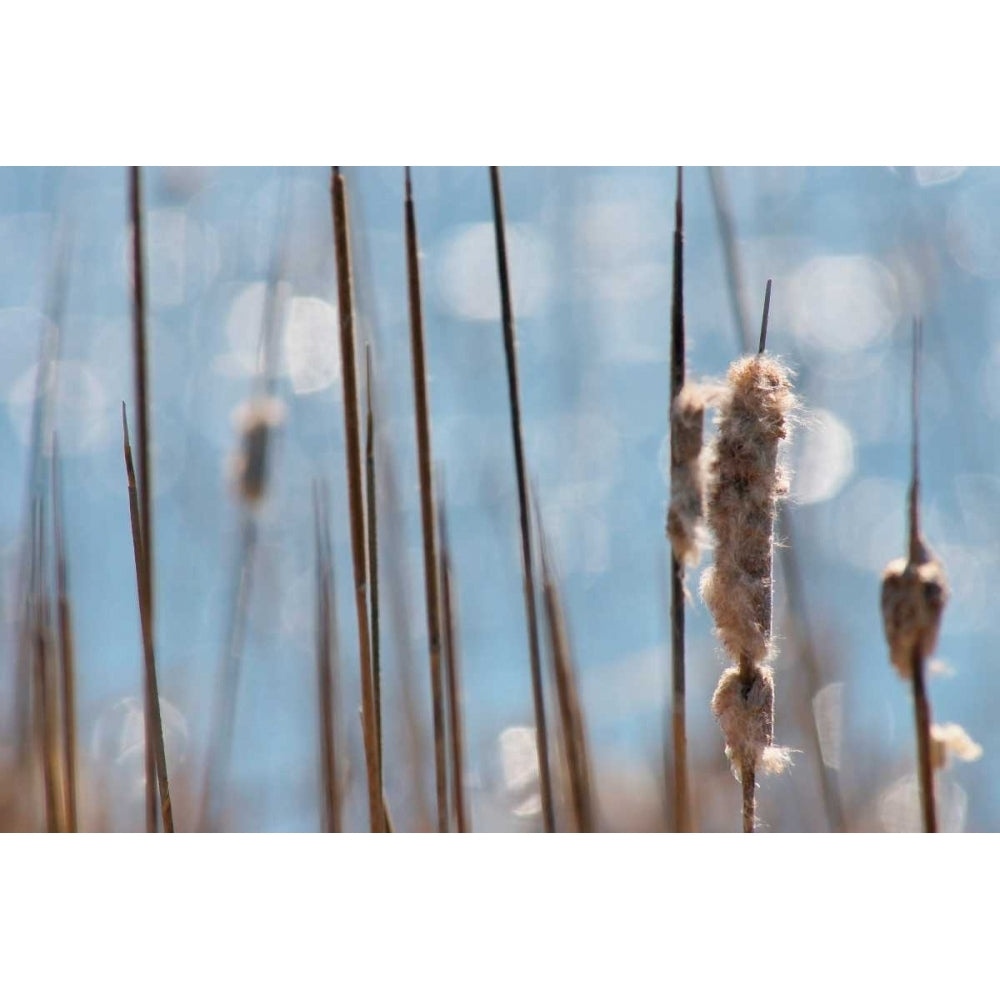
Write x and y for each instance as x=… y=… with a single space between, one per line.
x=855 y=253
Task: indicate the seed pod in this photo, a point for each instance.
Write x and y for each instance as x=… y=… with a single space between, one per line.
x=914 y=595
x=746 y=717
x=255 y=420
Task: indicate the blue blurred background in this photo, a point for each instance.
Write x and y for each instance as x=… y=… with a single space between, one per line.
x=855 y=253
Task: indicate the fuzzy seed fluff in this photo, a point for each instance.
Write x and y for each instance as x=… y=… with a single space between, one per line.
x=951 y=740
x=745 y=483
x=746 y=717
x=684 y=518
x=914 y=595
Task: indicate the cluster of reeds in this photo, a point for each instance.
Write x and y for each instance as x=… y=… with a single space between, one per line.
x=724 y=494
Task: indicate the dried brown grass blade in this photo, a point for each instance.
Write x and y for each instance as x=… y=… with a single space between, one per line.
x=682 y=799
x=371 y=496
x=67 y=659
x=570 y=710
x=510 y=350
x=326 y=660
x=426 y=483
x=452 y=674
x=345 y=301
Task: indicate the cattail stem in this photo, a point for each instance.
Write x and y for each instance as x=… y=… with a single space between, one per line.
x=66 y=648
x=682 y=804
x=748 y=781
x=371 y=496
x=426 y=481
x=452 y=676
x=510 y=349
x=567 y=696
x=922 y=718
x=154 y=728
x=326 y=638
x=355 y=491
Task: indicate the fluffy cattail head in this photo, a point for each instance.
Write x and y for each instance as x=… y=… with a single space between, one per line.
x=914 y=595
x=256 y=421
x=684 y=517
x=745 y=710
x=745 y=483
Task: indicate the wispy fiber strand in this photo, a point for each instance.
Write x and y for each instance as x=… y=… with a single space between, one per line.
x=527 y=564
x=421 y=404
x=156 y=757
x=914 y=594
x=355 y=491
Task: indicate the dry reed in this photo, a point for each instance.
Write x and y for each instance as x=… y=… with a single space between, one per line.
x=355 y=491
x=914 y=594
x=527 y=564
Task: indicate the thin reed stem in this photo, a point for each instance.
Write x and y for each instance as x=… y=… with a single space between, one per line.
x=326 y=638
x=921 y=704
x=371 y=496
x=149 y=675
x=527 y=564
x=66 y=648
x=345 y=301
x=682 y=801
x=453 y=675
x=156 y=760
x=567 y=695
x=426 y=482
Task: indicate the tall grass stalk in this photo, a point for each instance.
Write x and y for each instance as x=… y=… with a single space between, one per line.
x=527 y=563
x=355 y=490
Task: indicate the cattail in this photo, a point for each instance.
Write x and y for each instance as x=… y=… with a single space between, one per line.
x=745 y=483
x=256 y=421
x=687 y=477
x=914 y=594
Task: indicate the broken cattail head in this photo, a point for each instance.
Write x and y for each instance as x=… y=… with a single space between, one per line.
x=746 y=717
x=914 y=595
x=256 y=421
x=951 y=740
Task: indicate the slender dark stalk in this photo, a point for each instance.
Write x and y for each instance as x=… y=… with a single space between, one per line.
x=510 y=349
x=42 y=669
x=371 y=495
x=568 y=697
x=345 y=301
x=452 y=674
x=156 y=758
x=153 y=696
x=921 y=704
x=798 y=611
x=682 y=800
x=326 y=638
x=66 y=647
x=426 y=481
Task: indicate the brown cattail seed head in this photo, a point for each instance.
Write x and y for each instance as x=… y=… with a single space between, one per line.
x=746 y=716
x=684 y=518
x=745 y=483
x=914 y=595
x=256 y=420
